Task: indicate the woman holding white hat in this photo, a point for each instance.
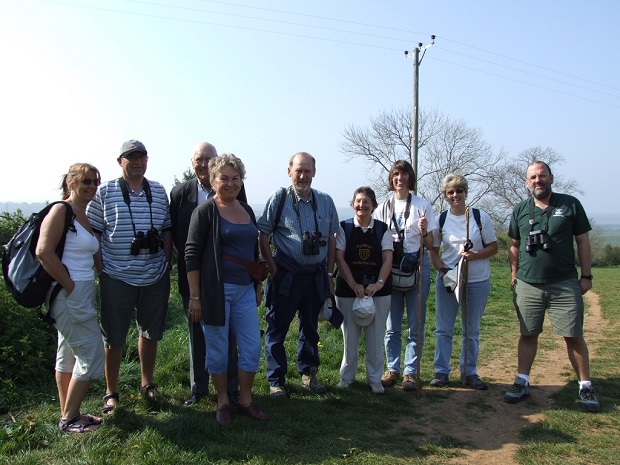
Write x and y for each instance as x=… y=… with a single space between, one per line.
x=363 y=287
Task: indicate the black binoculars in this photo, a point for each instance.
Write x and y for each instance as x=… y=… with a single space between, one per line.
x=150 y=242
x=311 y=242
x=538 y=238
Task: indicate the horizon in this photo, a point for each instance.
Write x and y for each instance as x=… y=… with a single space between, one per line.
x=267 y=82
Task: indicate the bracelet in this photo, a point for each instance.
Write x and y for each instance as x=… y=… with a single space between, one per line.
x=194 y=298
x=586 y=276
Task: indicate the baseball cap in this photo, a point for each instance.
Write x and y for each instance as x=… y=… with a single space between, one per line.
x=363 y=310
x=450 y=280
x=131 y=146
x=330 y=312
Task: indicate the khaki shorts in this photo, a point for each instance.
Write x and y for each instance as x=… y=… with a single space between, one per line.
x=563 y=300
x=80 y=346
x=118 y=302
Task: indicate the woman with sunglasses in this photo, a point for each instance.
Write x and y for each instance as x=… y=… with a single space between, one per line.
x=476 y=245
x=79 y=357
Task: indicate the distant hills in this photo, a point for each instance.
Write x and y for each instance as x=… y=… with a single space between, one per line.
x=605 y=221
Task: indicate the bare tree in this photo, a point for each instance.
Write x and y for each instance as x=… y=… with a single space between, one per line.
x=496 y=181
x=444 y=146
x=509 y=182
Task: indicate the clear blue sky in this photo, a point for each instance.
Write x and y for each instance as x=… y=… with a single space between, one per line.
x=266 y=79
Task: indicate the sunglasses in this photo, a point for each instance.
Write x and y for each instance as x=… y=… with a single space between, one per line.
x=456 y=191
x=88 y=181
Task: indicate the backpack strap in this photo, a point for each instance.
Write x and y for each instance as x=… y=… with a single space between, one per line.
x=475 y=212
x=280 y=207
x=60 y=249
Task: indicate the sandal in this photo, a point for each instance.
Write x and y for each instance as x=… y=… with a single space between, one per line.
x=91 y=418
x=108 y=407
x=150 y=391
x=77 y=425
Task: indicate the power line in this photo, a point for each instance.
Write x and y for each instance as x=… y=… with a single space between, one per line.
x=525 y=82
x=346 y=42
x=532 y=74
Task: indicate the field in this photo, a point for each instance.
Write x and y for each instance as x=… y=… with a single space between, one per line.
x=436 y=426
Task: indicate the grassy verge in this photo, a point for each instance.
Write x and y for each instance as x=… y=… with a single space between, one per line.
x=567 y=435
x=341 y=427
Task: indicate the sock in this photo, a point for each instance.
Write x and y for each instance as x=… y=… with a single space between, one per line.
x=585 y=384
x=525 y=377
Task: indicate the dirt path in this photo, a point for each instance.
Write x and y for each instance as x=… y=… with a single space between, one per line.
x=488 y=425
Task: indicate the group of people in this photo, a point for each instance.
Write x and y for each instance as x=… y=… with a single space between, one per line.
x=376 y=265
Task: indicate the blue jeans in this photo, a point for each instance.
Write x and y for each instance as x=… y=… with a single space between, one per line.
x=198 y=370
x=242 y=319
x=304 y=298
x=393 y=334
x=447 y=310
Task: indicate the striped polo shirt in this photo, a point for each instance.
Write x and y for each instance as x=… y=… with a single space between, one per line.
x=109 y=216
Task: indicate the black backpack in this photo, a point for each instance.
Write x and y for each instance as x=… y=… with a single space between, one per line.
x=24 y=276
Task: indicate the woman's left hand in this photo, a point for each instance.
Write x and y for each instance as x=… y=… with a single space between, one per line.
x=373 y=288
x=422 y=222
x=195 y=310
x=259 y=293
x=470 y=255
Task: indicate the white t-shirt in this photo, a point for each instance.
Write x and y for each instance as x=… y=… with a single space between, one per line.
x=410 y=226
x=453 y=240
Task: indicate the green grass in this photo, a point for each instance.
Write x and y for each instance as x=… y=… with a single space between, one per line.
x=342 y=427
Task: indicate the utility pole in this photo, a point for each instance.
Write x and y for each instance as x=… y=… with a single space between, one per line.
x=417 y=61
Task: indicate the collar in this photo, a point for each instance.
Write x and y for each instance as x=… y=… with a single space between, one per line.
x=357 y=225
x=203 y=189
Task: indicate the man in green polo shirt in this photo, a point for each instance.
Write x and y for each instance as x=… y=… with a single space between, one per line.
x=545 y=279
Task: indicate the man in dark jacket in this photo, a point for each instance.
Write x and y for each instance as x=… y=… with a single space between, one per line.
x=184 y=198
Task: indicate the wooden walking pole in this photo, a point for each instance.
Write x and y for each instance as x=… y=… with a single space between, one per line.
x=418 y=381
x=468 y=245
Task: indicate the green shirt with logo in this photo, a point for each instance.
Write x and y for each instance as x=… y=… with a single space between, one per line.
x=563 y=219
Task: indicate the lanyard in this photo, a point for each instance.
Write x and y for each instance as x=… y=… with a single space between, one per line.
x=296 y=207
x=400 y=232
x=149 y=199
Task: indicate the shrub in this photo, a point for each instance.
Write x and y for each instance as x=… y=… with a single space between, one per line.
x=27 y=349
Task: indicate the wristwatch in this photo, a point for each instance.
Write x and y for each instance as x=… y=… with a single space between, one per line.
x=381 y=280
x=587 y=276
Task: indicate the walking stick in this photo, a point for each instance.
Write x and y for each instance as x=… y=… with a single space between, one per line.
x=468 y=246
x=418 y=381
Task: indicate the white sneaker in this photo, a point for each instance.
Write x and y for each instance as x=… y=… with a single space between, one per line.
x=344 y=384
x=377 y=388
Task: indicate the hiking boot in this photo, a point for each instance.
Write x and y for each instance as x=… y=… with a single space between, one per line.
x=277 y=392
x=390 y=378
x=519 y=390
x=474 y=381
x=589 y=401
x=409 y=383
x=440 y=380
x=309 y=382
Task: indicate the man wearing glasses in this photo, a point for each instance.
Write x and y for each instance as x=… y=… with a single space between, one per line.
x=184 y=198
x=130 y=217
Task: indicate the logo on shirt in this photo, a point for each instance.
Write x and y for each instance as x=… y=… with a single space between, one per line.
x=364 y=253
x=558 y=212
